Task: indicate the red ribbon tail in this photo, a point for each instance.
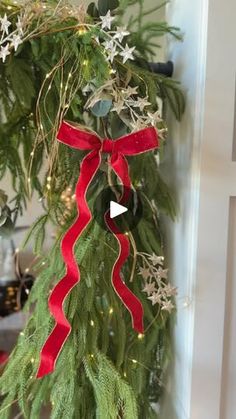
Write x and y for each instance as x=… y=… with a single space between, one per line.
x=132 y=303
x=54 y=343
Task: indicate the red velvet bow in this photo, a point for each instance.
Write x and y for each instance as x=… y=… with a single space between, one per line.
x=129 y=145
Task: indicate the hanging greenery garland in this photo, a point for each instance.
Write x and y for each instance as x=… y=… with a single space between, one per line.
x=63 y=65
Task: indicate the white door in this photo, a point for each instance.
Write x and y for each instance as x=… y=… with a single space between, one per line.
x=203 y=241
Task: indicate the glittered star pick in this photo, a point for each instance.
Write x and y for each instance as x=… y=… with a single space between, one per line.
x=107 y=20
x=150 y=288
x=4 y=52
x=130 y=91
x=5 y=23
x=16 y=41
x=156 y=260
x=155 y=299
x=118 y=106
x=167 y=306
x=141 y=103
x=19 y=26
x=127 y=53
x=170 y=291
x=162 y=273
x=121 y=33
x=145 y=273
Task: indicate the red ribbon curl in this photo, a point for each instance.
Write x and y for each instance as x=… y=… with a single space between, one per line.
x=129 y=145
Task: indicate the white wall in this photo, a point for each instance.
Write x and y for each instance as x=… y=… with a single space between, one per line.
x=202 y=242
x=214 y=339
x=182 y=170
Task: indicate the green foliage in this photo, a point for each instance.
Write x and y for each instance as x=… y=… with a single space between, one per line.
x=144 y=34
x=37 y=232
x=104 y=370
x=96 y=374
x=114 y=397
x=157 y=85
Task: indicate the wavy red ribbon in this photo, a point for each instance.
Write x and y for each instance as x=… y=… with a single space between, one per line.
x=129 y=145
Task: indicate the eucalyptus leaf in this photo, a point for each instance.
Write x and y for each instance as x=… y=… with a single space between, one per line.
x=105 y=5
x=102 y=107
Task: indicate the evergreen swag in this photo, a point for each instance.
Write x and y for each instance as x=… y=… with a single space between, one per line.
x=67 y=66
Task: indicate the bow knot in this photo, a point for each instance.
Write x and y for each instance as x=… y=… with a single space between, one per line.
x=107 y=146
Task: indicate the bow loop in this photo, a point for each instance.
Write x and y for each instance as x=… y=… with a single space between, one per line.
x=77 y=138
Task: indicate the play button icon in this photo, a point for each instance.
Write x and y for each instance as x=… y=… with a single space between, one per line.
x=126 y=215
x=116 y=209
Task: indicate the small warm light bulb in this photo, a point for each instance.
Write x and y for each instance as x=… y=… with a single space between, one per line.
x=32 y=360
x=125 y=375
x=92 y=323
x=140 y=336
x=48 y=186
x=49 y=178
x=17 y=250
x=111 y=310
x=134 y=361
x=85 y=62
x=47 y=76
x=92 y=356
x=26 y=270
